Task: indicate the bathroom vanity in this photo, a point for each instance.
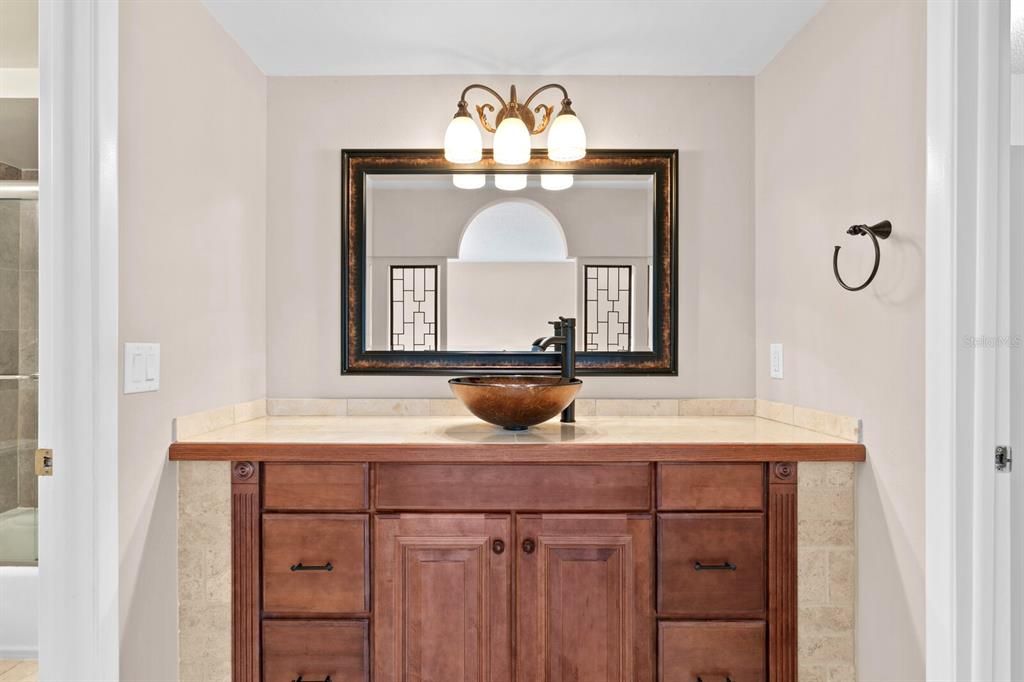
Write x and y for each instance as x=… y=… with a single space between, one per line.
x=443 y=549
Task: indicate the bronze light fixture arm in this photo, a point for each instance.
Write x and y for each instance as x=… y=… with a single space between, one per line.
x=513 y=108
x=479 y=86
x=565 y=94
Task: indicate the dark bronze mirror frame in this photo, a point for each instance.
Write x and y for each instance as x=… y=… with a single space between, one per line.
x=356 y=164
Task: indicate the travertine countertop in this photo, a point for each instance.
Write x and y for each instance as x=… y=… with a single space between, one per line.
x=456 y=438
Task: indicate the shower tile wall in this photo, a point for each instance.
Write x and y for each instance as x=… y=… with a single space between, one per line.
x=19 y=260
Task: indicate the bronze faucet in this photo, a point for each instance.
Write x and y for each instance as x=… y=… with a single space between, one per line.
x=564 y=342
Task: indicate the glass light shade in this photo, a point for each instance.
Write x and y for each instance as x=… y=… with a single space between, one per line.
x=567 y=141
x=511 y=142
x=469 y=180
x=555 y=181
x=462 y=141
x=510 y=182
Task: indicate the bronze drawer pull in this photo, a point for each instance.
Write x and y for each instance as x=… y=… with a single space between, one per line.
x=529 y=546
x=328 y=679
x=724 y=566
x=300 y=567
x=498 y=546
x=713 y=678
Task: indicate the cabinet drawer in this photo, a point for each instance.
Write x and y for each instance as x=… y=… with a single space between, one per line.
x=532 y=487
x=711 y=565
x=315 y=564
x=711 y=487
x=711 y=652
x=314 y=487
x=315 y=650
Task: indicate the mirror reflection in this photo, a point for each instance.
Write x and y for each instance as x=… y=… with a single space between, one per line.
x=466 y=262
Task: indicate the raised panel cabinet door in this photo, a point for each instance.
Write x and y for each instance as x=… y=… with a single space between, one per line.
x=585 y=598
x=442 y=598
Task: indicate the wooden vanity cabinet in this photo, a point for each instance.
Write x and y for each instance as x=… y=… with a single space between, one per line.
x=518 y=572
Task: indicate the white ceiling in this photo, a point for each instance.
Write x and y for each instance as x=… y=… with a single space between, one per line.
x=559 y=37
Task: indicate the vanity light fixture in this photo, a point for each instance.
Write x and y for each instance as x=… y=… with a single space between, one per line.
x=516 y=122
x=510 y=182
x=469 y=180
x=555 y=182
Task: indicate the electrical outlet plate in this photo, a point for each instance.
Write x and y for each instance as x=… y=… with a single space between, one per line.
x=775 y=365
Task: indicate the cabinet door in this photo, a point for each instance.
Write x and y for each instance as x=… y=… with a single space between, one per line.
x=442 y=598
x=584 y=597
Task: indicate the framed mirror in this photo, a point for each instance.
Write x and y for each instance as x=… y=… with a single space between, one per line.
x=458 y=269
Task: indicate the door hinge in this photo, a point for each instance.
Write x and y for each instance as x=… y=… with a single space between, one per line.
x=44 y=462
x=1004 y=458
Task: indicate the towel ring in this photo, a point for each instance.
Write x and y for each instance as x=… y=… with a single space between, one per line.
x=877 y=231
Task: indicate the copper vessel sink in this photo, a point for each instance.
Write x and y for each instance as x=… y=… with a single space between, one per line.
x=515 y=402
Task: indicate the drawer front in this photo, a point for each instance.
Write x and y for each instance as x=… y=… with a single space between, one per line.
x=711 y=487
x=315 y=487
x=532 y=487
x=315 y=564
x=711 y=652
x=711 y=565
x=315 y=650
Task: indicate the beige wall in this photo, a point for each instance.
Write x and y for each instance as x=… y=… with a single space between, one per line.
x=840 y=129
x=192 y=261
x=709 y=120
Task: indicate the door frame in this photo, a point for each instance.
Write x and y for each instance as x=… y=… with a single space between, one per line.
x=967 y=219
x=79 y=553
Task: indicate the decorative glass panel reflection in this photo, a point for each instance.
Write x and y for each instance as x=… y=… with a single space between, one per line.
x=413 y=307
x=608 y=310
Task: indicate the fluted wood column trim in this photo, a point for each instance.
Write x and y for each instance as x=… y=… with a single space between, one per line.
x=782 y=572
x=245 y=568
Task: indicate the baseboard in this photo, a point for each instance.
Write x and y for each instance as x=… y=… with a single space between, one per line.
x=18 y=654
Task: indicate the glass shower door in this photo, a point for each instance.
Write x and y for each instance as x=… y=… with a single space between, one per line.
x=19 y=264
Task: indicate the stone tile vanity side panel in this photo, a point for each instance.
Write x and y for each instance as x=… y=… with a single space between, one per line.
x=204 y=571
x=826 y=571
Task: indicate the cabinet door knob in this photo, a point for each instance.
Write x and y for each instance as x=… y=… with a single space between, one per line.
x=498 y=546
x=529 y=546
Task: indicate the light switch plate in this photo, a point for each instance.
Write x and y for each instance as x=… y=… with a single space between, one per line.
x=141 y=367
x=775 y=366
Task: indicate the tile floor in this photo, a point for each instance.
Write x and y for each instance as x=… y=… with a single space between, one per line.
x=18 y=671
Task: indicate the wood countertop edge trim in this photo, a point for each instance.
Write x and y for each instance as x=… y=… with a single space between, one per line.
x=521 y=452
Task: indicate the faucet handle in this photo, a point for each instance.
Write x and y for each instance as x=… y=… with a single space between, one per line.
x=567 y=321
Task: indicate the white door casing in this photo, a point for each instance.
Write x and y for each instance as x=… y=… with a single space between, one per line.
x=969 y=348
x=78 y=362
